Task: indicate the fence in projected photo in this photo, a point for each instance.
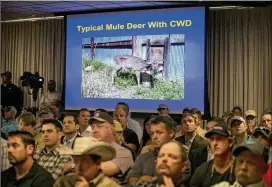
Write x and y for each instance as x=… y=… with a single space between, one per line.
x=133 y=67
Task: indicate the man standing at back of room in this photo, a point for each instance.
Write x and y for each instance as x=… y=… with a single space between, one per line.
x=131 y=124
x=85 y=129
x=11 y=95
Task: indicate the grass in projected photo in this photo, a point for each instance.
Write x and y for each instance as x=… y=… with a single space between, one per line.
x=133 y=67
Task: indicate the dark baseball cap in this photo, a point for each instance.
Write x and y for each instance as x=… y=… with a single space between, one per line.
x=6 y=73
x=263 y=131
x=45 y=110
x=162 y=106
x=253 y=146
x=220 y=128
x=101 y=117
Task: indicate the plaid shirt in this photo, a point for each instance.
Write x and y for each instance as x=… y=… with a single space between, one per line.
x=53 y=162
x=4 y=153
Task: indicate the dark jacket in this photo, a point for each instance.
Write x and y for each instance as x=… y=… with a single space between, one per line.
x=37 y=177
x=62 y=142
x=198 y=157
x=197 y=142
x=11 y=95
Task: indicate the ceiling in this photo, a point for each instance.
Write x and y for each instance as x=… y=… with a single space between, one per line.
x=14 y=10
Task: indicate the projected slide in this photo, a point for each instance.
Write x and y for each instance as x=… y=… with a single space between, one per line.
x=133 y=67
x=144 y=58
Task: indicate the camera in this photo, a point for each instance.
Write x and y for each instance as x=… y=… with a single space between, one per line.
x=32 y=80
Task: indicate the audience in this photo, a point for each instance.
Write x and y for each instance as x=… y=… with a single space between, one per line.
x=4 y=153
x=251 y=121
x=130 y=137
x=251 y=165
x=49 y=157
x=70 y=129
x=266 y=119
x=88 y=155
x=99 y=151
x=131 y=124
x=11 y=95
x=170 y=166
x=190 y=138
x=163 y=110
x=43 y=114
x=103 y=130
x=221 y=167
x=203 y=154
x=25 y=171
x=162 y=131
x=27 y=122
x=237 y=111
x=239 y=130
x=52 y=97
x=85 y=129
x=198 y=116
x=9 y=124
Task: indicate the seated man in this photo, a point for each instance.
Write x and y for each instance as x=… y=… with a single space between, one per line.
x=88 y=154
x=191 y=138
x=25 y=170
x=251 y=165
x=170 y=166
x=162 y=131
x=27 y=122
x=49 y=157
x=9 y=124
x=103 y=130
x=222 y=166
x=70 y=128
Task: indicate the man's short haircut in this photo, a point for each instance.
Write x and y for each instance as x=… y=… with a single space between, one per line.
x=54 y=122
x=168 y=122
x=101 y=110
x=186 y=115
x=196 y=111
x=186 y=110
x=83 y=110
x=124 y=106
x=267 y=112
x=26 y=137
x=72 y=115
x=28 y=119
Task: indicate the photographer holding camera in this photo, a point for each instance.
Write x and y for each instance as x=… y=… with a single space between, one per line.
x=11 y=95
x=52 y=97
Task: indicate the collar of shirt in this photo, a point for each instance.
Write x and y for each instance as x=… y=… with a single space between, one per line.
x=188 y=143
x=97 y=179
x=69 y=141
x=30 y=174
x=55 y=151
x=89 y=130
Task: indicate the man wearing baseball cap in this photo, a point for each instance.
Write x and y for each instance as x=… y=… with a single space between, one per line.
x=10 y=123
x=239 y=130
x=163 y=110
x=251 y=120
x=88 y=154
x=11 y=95
x=221 y=168
x=251 y=165
x=102 y=125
